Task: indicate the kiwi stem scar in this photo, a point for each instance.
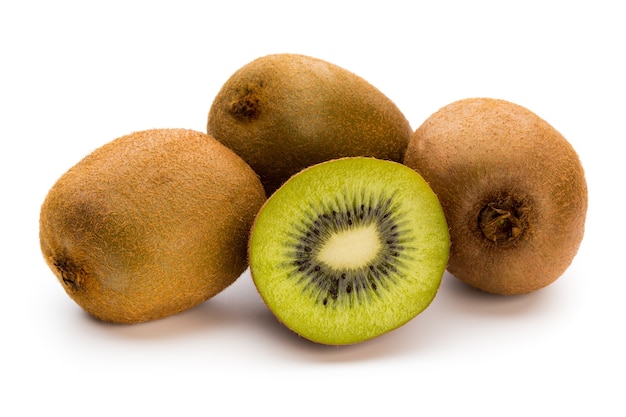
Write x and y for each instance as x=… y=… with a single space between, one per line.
x=68 y=273
x=246 y=108
x=501 y=221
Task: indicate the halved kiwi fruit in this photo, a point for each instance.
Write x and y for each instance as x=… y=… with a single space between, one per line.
x=150 y=224
x=349 y=249
x=513 y=190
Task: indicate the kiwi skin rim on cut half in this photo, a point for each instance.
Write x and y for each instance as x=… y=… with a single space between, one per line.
x=349 y=249
x=513 y=190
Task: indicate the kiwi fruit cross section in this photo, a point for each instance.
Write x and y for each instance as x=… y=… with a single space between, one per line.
x=349 y=249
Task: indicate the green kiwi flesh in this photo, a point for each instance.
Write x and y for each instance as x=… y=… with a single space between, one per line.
x=349 y=249
x=513 y=190
x=284 y=112
x=150 y=224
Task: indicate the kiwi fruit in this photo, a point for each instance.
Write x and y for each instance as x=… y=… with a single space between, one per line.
x=349 y=249
x=513 y=190
x=284 y=112
x=150 y=224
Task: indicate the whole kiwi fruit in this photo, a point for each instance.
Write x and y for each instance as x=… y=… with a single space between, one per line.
x=349 y=249
x=284 y=112
x=513 y=190
x=150 y=224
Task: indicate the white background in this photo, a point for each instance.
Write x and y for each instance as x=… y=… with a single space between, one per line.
x=75 y=75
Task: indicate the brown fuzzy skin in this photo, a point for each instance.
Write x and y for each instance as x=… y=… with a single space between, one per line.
x=284 y=112
x=512 y=188
x=150 y=224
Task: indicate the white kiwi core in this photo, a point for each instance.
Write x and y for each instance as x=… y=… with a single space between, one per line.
x=351 y=249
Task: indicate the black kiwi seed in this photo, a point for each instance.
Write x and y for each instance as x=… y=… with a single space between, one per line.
x=328 y=285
